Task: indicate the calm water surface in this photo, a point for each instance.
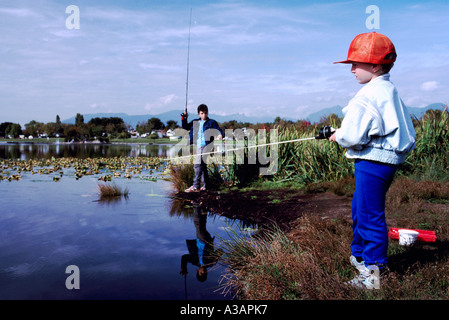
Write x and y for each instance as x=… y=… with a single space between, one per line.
x=126 y=249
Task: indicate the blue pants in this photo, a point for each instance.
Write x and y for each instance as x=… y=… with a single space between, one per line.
x=200 y=169
x=370 y=234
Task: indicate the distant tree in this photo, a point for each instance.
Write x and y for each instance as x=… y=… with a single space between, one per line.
x=51 y=128
x=10 y=129
x=96 y=131
x=141 y=127
x=14 y=130
x=58 y=126
x=79 y=120
x=172 y=124
x=70 y=133
x=331 y=120
x=34 y=128
x=155 y=124
x=113 y=126
x=4 y=127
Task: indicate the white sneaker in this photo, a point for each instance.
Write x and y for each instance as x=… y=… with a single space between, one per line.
x=191 y=189
x=369 y=278
x=358 y=265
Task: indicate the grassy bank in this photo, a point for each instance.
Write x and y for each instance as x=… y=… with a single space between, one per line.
x=35 y=140
x=310 y=260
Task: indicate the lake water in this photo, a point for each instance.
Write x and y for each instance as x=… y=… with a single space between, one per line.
x=130 y=248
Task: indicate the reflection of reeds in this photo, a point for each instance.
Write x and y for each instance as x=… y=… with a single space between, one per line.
x=108 y=191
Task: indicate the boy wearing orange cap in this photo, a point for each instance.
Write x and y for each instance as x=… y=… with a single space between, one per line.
x=377 y=132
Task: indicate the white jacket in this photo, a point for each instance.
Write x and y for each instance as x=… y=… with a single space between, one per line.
x=376 y=124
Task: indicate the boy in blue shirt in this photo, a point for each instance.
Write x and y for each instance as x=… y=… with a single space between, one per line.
x=202 y=132
x=377 y=132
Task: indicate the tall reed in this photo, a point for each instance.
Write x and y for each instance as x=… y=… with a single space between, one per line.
x=311 y=160
x=430 y=158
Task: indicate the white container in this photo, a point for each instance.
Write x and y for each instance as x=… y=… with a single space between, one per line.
x=407 y=237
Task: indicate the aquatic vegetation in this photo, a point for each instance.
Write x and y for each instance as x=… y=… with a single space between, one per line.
x=108 y=168
x=107 y=177
x=108 y=191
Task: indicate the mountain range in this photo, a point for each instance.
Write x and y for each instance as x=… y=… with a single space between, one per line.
x=315 y=117
x=414 y=112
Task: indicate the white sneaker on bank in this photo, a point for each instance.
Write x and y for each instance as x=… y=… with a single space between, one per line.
x=369 y=278
x=358 y=265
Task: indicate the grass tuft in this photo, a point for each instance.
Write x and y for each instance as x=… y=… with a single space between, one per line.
x=110 y=191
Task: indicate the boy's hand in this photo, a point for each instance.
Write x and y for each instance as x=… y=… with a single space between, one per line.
x=219 y=137
x=332 y=138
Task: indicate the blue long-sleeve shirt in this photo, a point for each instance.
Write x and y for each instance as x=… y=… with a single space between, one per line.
x=210 y=129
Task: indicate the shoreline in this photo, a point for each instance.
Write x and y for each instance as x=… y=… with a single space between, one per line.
x=280 y=206
x=44 y=141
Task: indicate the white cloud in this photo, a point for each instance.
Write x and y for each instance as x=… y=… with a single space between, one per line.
x=159 y=67
x=18 y=12
x=98 y=105
x=430 y=85
x=162 y=102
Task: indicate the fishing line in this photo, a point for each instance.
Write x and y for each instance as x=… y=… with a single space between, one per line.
x=324 y=133
x=246 y=147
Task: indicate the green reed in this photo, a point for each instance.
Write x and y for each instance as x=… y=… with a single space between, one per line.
x=430 y=158
x=310 y=161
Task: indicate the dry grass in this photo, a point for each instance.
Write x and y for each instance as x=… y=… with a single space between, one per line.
x=110 y=191
x=181 y=176
x=298 y=265
x=419 y=205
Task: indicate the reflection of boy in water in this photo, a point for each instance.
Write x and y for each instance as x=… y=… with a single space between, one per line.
x=201 y=251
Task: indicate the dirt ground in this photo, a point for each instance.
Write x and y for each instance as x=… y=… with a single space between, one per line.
x=282 y=206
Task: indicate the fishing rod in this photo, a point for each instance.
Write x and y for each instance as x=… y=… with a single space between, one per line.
x=324 y=133
x=188 y=67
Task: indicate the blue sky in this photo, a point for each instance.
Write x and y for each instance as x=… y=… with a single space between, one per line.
x=271 y=58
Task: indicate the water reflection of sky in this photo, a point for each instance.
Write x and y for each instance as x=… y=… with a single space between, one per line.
x=127 y=249
x=26 y=151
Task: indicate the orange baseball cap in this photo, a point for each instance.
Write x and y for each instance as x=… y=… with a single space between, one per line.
x=372 y=48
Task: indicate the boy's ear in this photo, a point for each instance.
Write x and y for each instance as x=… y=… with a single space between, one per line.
x=376 y=68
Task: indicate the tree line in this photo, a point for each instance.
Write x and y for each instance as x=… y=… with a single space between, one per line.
x=107 y=128
x=102 y=129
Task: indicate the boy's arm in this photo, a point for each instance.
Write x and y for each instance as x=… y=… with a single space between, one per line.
x=185 y=124
x=216 y=126
x=355 y=129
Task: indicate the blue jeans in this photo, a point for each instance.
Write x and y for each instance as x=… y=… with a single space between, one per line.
x=370 y=234
x=200 y=169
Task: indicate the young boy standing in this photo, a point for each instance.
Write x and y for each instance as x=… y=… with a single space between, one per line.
x=377 y=132
x=202 y=132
